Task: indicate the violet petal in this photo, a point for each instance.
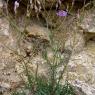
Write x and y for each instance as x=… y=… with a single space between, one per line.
x=61 y=13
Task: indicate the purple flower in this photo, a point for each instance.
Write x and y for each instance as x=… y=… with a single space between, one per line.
x=62 y=13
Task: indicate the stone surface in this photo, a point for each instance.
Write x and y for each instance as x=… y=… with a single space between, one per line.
x=9 y=79
x=36 y=30
x=81 y=68
x=4 y=27
x=87 y=23
x=1 y=4
x=36 y=39
x=4 y=87
x=86 y=89
x=4 y=32
x=75 y=42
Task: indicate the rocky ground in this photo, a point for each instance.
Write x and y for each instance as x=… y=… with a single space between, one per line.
x=81 y=41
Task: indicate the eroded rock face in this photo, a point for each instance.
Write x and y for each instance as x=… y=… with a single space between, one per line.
x=4 y=27
x=6 y=38
x=83 y=88
x=4 y=33
x=1 y=4
x=81 y=66
x=81 y=71
x=75 y=42
x=9 y=79
x=88 y=22
x=36 y=39
x=36 y=30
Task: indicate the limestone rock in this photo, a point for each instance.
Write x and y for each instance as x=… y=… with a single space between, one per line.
x=88 y=22
x=75 y=42
x=85 y=88
x=81 y=72
x=38 y=31
x=4 y=87
x=36 y=39
x=1 y=4
x=4 y=31
x=9 y=79
x=4 y=27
